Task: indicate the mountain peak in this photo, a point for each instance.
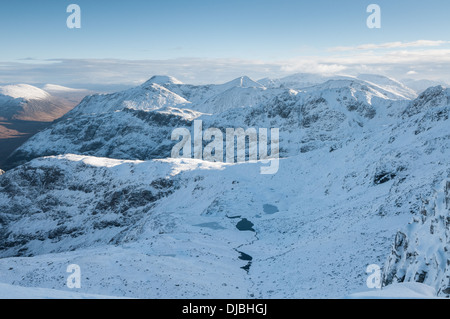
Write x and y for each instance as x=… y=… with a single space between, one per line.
x=163 y=80
x=434 y=90
x=436 y=96
x=245 y=82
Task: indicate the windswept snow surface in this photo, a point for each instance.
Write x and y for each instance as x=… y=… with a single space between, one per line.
x=410 y=290
x=17 y=292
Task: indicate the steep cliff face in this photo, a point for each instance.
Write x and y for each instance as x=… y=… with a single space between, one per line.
x=421 y=252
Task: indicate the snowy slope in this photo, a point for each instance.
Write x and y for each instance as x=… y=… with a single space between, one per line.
x=17 y=292
x=24 y=91
x=317 y=223
x=126 y=134
x=240 y=92
x=235 y=97
x=399 y=291
x=391 y=85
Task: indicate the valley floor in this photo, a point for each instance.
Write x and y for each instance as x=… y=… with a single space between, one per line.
x=15 y=133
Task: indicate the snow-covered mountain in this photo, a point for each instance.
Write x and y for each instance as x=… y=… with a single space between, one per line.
x=111 y=125
x=26 y=110
x=407 y=290
x=17 y=292
x=212 y=99
x=24 y=91
x=431 y=99
x=358 y=159
x=126 y=134
x=147 y=97
x=29 y=103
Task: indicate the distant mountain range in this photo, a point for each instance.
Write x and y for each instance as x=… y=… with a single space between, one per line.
x=91 y=128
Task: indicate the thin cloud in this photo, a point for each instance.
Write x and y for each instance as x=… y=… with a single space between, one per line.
x=431 y=64
x=391 y=45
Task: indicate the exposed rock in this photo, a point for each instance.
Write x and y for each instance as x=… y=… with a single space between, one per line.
x=75 y=207
x=422 y=252
x=431 y=98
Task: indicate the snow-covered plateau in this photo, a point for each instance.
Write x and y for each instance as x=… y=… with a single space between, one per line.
x=364 y=178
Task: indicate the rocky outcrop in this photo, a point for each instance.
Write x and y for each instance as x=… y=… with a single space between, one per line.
x=433 y=97
x=83 y=203
x=126 y=134
x=421 y=252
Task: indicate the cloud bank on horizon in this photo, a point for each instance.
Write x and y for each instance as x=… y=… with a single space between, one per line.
x=420 y=59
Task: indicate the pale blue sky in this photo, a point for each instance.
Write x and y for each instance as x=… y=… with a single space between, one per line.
x=256 y=32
